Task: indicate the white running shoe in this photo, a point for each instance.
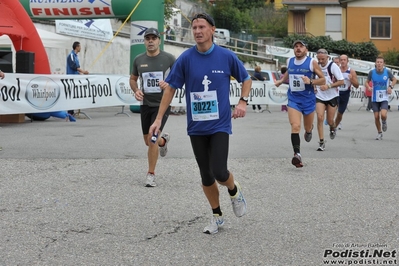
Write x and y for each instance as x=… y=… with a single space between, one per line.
x=164 y=149
x=213 y=227
x=379 y=136
x=322 y=146
x=340 y=126
x=150 y=182
x=238 y=202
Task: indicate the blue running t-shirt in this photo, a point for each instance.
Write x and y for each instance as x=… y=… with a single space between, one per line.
x=206 y=78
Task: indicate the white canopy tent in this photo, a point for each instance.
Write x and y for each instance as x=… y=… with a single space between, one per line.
x=49 y=39
x=53 y=43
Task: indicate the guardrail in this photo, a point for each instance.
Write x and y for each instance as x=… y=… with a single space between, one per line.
x=183 y=36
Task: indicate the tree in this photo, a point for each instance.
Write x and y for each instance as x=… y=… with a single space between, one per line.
x=248 y=4
x=270 y=22
x=391 y=57
x=253 y=16
x=169 y=4
x=228 y=16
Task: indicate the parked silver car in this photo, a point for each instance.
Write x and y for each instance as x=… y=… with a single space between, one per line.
x=270 y=75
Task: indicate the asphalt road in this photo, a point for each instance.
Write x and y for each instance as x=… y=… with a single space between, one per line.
x=73 y=194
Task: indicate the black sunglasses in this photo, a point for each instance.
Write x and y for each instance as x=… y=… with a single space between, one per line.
x=205 y=16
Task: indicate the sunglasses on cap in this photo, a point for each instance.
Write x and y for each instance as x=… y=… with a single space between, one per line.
x=205 y=16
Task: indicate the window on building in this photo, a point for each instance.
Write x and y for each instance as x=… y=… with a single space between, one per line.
x=333 y=22
x=381 y=27
x=299 y=23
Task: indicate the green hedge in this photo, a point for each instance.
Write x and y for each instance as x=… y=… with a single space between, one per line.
x=364 y=50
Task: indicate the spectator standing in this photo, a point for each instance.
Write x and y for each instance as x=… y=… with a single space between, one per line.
x=73 y=65
x=170 y=34
x=368 y=94
x=257 y=76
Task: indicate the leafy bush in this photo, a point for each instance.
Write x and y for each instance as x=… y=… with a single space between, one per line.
x=364 y=50
x=391 y=57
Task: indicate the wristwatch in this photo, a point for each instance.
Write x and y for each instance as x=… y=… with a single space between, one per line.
x=389 y=85
x=329 y=85
x=245 y=99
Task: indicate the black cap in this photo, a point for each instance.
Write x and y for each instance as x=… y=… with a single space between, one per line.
x=152 y=31
x=301 y=42
x=205 y=16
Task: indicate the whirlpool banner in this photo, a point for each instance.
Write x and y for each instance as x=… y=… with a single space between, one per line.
x=31 y=93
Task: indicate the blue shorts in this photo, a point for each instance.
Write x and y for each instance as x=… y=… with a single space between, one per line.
x=343 y=101
x=378 y=106
x=305 y=107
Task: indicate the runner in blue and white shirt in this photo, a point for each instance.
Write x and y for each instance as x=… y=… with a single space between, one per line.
x=383 y=83
x=301 y=71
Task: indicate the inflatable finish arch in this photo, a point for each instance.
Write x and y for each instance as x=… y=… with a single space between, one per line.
x=149 y=13
x=16 y=23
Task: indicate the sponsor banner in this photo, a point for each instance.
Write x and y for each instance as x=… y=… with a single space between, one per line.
x=357 y=65
x=265 y=92
x=96 y=29
x=30 y=93
x=137 y=29
x=279 y=51
x=71 y=8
